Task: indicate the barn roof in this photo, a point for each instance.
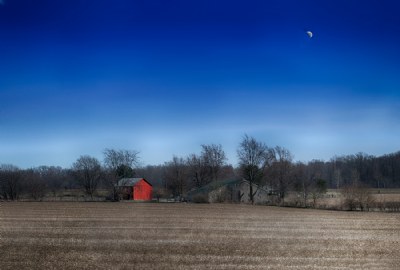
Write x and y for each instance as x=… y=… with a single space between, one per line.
x=124 y=182
x=215 y=185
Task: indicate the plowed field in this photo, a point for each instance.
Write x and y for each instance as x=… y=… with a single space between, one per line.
x=51 y=235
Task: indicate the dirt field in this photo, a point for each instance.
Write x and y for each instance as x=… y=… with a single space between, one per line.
x=187 y=236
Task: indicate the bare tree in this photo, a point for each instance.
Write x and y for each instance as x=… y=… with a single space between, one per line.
x=253 y=157
x=337 y=177
x=197 y=170
x=176 y=175
x=301 y=182
x=308 y=182
x=10 y=181
x=87 y=171
x=315 y=175
x=119 y=164
x=282 y=167
x=35 y=184
x=54 y=177
x=214 y=157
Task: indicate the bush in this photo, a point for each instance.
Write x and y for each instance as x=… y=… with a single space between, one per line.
x=392 y=206
x=357 y=198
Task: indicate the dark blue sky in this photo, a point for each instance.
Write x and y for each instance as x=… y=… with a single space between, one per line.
x=163 y=77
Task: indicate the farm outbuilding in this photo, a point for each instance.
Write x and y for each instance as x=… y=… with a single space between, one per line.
x=137 y=189
x=233 y=190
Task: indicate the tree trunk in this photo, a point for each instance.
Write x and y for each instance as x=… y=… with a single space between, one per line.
x=251 y=193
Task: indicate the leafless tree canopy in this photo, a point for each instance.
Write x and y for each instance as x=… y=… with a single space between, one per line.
x=10 y=181
x=35 y=184
x=117 y=159
x=214 y=158
x=55 y=177
x=176 y=175
x=253 y=156
x=258 y=163
x=197 y=170
x=88 y=173
x=119 y=164
x=308 y=180
x=281 y=170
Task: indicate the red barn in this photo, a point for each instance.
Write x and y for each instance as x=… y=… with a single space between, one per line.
x=137 y=189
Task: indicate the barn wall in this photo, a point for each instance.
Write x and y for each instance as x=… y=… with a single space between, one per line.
x=142 y=191
x=223 y=194
x=261 y=197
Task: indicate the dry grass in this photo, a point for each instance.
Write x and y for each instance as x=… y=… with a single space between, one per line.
x=333 y=199
x=186 y=236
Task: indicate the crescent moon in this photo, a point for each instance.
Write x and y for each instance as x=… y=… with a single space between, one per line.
x=310 y=34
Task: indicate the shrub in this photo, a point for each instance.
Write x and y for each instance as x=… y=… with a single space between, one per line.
x=392 y=206
x=357 y=197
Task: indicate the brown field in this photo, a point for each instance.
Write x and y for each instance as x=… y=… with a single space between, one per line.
x=74 y=235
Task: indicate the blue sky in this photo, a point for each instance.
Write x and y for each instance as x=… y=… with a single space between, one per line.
x=164 y=77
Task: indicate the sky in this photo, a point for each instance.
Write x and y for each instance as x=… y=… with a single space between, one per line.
x=164 y=77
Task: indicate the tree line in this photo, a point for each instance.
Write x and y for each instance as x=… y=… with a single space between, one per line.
x=261 y=165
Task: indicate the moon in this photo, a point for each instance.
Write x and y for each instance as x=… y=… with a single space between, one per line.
x=310 y=34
